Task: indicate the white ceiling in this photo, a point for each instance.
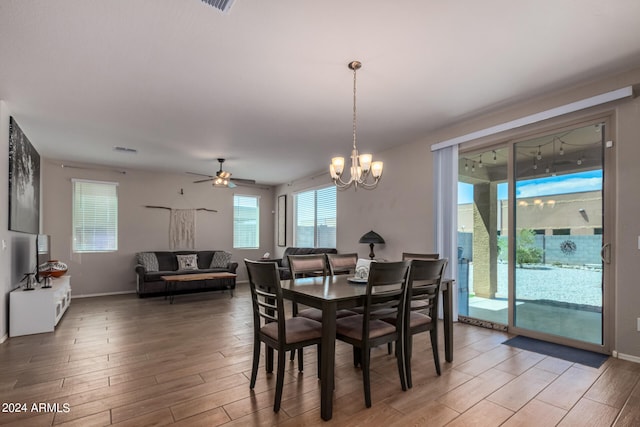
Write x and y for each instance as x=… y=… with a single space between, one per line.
x=267 y=86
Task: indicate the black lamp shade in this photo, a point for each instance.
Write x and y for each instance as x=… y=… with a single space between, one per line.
x=371 y=237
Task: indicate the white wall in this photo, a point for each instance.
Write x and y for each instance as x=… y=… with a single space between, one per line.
x=141 y=228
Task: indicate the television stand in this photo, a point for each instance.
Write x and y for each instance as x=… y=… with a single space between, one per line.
x=40 y=310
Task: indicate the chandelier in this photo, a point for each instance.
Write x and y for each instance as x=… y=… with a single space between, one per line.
x=362 y=166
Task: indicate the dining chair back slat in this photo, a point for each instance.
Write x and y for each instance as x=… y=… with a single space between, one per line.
x=342 y=263
x=307 y=265
x=407 y=256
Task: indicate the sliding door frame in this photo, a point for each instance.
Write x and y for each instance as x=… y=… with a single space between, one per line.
x=508 y=139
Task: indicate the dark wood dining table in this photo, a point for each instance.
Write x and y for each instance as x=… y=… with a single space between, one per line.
x=332 y=293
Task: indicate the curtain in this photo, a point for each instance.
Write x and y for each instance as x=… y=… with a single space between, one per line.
x=446 y=212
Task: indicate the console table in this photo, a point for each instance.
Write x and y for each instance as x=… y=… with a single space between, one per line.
x=39 y=310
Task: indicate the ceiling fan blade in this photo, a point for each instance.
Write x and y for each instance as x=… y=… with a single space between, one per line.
x=203 y=180
x=231 y=185
x=200 y=174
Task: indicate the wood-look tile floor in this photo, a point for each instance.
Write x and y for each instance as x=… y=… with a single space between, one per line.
x=124 y=361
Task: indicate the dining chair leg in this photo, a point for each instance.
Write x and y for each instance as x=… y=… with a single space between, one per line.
x=366 y=378
x=407 y=360
x=256 y=362
x=357 y=357
x=401 y=368
x=434 y=347
x=319 y=361
x=300 y=361
x=389 y=347
x=294 y=313
x=269 y=360
x=279 y=380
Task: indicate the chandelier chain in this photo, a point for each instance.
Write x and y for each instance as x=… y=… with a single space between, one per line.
x=354 y=107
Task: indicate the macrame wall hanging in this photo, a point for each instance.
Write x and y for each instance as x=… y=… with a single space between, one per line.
x=182 y=226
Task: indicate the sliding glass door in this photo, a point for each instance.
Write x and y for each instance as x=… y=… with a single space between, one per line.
x=559 y=194
x=532 y=235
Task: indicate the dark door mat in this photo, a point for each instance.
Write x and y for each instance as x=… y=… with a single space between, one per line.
x=575 y=355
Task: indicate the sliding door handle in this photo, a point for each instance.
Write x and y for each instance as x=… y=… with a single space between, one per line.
x=605 y=253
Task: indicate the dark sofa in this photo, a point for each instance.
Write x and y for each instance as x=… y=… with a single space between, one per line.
x=283 y=263
x=150 y=266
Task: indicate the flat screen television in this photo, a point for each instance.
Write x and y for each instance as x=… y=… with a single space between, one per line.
x=43 y=252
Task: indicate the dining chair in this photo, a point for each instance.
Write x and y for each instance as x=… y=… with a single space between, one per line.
x=385 y=295
x=421 y=312
x=312 y=265
x=272 y=328
x=342 y=263
x=409 y=256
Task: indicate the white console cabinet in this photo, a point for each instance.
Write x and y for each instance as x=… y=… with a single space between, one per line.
x=39 y=310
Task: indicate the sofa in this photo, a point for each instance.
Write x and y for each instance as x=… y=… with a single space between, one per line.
x=151 y=266
x=283 y=263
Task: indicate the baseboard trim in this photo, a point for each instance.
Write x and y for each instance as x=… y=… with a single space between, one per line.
x=628 y=357
x=103 y=294
x=4 y=338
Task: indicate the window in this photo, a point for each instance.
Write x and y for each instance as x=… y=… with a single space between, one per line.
x=315 y=218
x=95 y=216
x=246 y=224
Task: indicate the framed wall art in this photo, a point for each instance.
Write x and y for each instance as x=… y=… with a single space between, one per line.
x=282 y=220
x=24 y=182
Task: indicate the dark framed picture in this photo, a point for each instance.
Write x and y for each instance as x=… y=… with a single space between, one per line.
x=24 y=182
x=282 y=220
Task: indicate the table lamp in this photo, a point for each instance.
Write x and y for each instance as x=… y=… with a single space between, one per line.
x=371 y=238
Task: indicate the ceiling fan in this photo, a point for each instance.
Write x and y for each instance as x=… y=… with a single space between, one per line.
x=223 y=178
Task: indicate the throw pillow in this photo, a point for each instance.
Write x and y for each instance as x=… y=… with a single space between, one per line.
x=220 y=259
x=148 y=260
x=187 y=262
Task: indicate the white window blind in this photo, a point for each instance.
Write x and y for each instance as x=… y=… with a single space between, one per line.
x=315 y=218
x=246 y=224
x=95 y=216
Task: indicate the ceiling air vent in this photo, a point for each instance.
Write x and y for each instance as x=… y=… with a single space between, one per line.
x=126 y=150
x=222 y=5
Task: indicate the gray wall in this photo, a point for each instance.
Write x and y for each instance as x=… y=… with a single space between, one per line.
x=401 y=209
x=141 y=228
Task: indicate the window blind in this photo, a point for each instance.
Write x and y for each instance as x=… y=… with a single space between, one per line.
x=315 y=218
x=246 y=229
x=95 y=216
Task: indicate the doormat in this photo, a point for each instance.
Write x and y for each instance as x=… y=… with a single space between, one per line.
x=575 y=355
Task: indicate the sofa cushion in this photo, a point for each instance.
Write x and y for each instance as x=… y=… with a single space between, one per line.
x=187 y=262
x=220 y=259
x=148 y=260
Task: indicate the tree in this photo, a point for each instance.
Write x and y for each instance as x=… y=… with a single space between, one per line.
x=526 y=252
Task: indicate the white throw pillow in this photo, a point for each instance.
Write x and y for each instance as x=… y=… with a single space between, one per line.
x=187 y=262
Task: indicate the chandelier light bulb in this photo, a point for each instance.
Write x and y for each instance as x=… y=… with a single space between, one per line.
x=480 y=162
x=539 y=155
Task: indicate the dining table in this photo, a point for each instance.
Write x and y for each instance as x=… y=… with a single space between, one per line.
x=333 y=293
